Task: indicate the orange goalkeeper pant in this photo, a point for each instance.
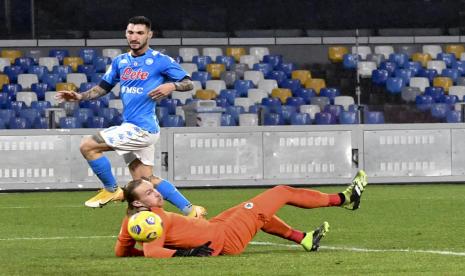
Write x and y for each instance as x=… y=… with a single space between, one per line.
x=243 y=221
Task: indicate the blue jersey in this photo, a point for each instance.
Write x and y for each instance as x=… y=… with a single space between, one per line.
x=138 y=76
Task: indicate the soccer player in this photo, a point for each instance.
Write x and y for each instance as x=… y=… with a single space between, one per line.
x=145 y=76
x=231 y=231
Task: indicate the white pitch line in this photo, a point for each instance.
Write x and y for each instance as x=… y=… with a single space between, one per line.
x=56 y=238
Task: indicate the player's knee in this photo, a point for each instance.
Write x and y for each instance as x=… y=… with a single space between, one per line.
x=281 y=188
x=87 y=145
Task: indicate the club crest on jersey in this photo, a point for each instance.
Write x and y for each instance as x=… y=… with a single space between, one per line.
x=149 y=61
x=130 y=74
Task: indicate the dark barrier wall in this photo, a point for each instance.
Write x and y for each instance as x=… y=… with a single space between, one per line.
x=75 y=18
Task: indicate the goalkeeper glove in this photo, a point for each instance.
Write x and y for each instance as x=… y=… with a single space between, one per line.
x=201 y=251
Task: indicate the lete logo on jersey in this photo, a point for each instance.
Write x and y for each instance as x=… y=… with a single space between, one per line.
x=130 y=74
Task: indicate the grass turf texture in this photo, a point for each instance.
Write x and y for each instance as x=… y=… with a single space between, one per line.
x=78 y=240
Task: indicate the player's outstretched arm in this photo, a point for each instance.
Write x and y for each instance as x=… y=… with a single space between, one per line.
x=73 y=96
x=165 y=89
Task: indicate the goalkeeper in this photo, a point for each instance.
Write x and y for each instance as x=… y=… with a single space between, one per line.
x=229 y=232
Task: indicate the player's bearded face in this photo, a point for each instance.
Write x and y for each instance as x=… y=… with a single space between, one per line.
x=137 y=36
x=148 y=196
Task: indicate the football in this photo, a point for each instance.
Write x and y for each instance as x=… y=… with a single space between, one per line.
x=145 y=226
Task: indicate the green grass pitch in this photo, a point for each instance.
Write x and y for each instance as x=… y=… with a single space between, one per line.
x=409 y=230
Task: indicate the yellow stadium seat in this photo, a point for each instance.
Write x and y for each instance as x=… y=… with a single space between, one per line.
x=66 y=86
x=281 y=93
x=443 y=82
x=422 y=58
x=215 y=69
x=455 y=49
x=11 y=54
x=205 y=94
x=4 y=80
x=236 y=52
x=315 y=84
x=336 y=53
x=74 y=62
x=302 y=75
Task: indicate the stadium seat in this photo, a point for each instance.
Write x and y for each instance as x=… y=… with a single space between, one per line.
x=12 y=89
x=26 y=80
x=11 y=54
x=60 y=54
x=50 y=97
x=409 y=50
x=87 y=69
x=454 y=116
x=449 y=59
x=62 y=71
x=212 y=52
x=394 y=85
x=324 y=118
x=228 y=61
x=70 y=122
x=399 y=59
x=385 y=50
x=449 y=99
x=365 y=68
x=336 y=53
x=5 y=100
x=3 y=63
x=24 y=62
x=273 y=119
x=74 y=62
x=376 y=58
x=435 y=92
x=41 y=123
x=432 y=50
x=170 y=104
x=300 y=119
x=239 y=68
x=235 y=52
x=69 y=107
x=87 y=55
x=265 y=68
x=460 y=66
x=456 y=49
x=235 y=111
x=306 y=94
x=100 y=64
x=3 y=124
x=229 y=78
x=453 y=74
x=227 y=120
x=12 y=72
x=256 y=95
x=281 y=93
x=40 y=89
x=250 y=60
x=349 y=61
x=65 y=86
x=41 y=106
x=443 y=82
x=17 y=106
x=201 y=62
x=320 y=101
x=4 y=79
x=244 y=102
x=430 y=74
x=273 y=104
x=379 y=77
x=315 y=84
x=388 y=66
x=242 y=86
x=248 y=119
x=424 y=102
x=204 y=94
x=19 y=123
x=203 y=77
x=335 y=110
x=110 y=114
x=458 y=91
x=30 y=115
x=38 y=70
x=439 y=110
x=189 y=67
x=348 y=118
x=86 y=86
x=274 y=60
x=330 y=92
x=374 y=117
x=172 y=121
x=344 y=101
x=414 y=66
x=222 y=102
x=286 y=67
x=423 y=58
x=49 y=62
x=181 y=96
x=254 y=76
x=97 y=122
x=7 y=115
x=405 y=74
x=111 y=52
x=267 y=85
x=187 y=53
x=259 y=52
x=437 y=65
x=362 y=51
x=409 y=94
x=215 y=85
x=293 y=85
x=229 y=94
x=215 y=69
x=83 y=115
x=26 y=97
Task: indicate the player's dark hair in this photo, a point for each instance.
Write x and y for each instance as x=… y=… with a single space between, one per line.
x=130 y=196
x=141 y=20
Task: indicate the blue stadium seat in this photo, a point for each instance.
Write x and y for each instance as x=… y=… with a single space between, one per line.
x=41 y=106
x=41 y=123
x=295 y=101
x=306 y=93
x=3 y=124
x=7 y=115
x=265 y=68
x=448 y=58
x=324 y=118
x=229 y=94
x=87 y=69
x=349 y=61
x=228 y=61
x=430 y=74
x=379 y=77
x=17 y=106
x=394 y=85
x=161 y=112
x=227 y=120
x=202 y=62
x=291 y=84
x=256 y=108
x=272 y=103
x=273 y=119
x=405 y=74
x=105 y=99
x=330 y=92
x=203 y=77
x=19 y=123
x=5 y=100
x=348 y=118
x=60 y=54
x=374 y=117
x=12 y=72
x=454 y=116
x=38 y=70
x=51 y=80
x=88 y=55
x=221 y=101
x=235 y=111
x=454 y=74
x=97 y=122
x=399 y=59
x=301 y=119
x=12 y=89
x=423 y=102
x=30 y=115
x=70 y=122
x=172 y=121
x=108 y=113
x=388 y=66
x=242 y=86
x=439 y=110
x=286 y=112
x=40 y=89
x=449 y=99
x=100 y=63
x=62 y=71
x=335 y=110
x=435 y=92
x=279 y=76
x=86 y=86
x=24 y=63
x=170 y=104
x=274 y=60
x=414 y=66
x=93 y=105
x=96 y=77
x=286 y=67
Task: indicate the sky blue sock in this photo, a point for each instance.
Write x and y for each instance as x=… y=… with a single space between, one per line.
x=102 y=169
x=170 y=193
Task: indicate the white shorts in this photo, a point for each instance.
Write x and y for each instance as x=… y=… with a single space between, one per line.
x=131 y=142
